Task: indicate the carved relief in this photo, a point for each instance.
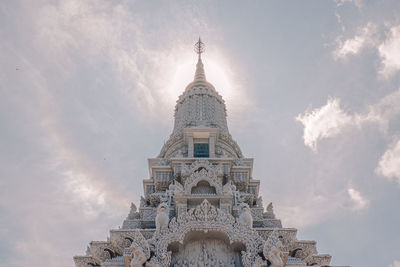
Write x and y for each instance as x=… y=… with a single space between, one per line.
x=101 y=250
x=203 y=175
x=273 y=250
x=138 y=252
x=205 y=217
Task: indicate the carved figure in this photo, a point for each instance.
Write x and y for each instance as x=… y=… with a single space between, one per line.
x=162 y=217
x=275 y=257
x=138 y=256
x=270 y=211
x=273 y=250
x=132 y=213
x=245 y=217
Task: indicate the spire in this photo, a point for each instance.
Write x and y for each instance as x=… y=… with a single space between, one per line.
x=199 y=49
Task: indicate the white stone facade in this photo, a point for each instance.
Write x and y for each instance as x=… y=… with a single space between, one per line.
x=201 y=205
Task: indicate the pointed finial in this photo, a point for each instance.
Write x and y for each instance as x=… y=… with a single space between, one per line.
x=199 y=47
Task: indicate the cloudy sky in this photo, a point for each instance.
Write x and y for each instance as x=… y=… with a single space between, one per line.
x=87 y=93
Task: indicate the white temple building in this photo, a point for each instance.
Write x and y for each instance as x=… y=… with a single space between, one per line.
x=201 y=204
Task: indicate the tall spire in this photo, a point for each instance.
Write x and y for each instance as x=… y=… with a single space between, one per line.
x=199 y=49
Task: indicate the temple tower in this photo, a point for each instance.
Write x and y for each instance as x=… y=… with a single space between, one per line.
x=201 y=204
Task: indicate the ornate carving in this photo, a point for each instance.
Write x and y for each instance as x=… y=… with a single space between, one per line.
x=270 y=212
x=273 y=250
x=84 y=261
x=156 y=198
x=179 y=190
x=101 y=250
x=205 y=217
x=203 y=175
x=228 y=188
x=162 y=217
x=288 y=236
x=303 y=250
x=245 y=217
x=133 y=214
x=138 y=252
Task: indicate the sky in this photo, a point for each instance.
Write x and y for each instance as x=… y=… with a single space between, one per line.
x=87 y=94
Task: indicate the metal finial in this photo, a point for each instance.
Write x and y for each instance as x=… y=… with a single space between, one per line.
x=199 y=47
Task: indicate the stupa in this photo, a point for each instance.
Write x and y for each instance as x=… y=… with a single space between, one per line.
x=201 y=205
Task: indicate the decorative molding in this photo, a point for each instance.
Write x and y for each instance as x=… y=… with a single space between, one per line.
x=204 y=218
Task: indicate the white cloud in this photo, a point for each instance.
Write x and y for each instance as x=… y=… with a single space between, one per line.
x=141 y=67
x=389 y=51
x=395 y=264
x=311 y=208
x=359 y=201
x=352 y=46
x=383 y=111
x=330 y=119
x=357 y=3
x=389 y=164
x=324 y=122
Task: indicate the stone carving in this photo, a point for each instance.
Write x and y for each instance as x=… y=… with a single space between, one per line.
x=205 y=218
x=138 y=252
x=133 y=214
x=245 y=217
x=273 y=250
x=162 y=217
x=148 y=213
x=84 y=261
x=245 y=197
x=101 y=250
x=143 y=202
x=203 y=175
x=320 y=259
x=303 y=249
x=156 y=198
x=207 y=253
x=270 y=212
x=179 y=190
x=198 y=164
x=259 y=202
x=228 y=188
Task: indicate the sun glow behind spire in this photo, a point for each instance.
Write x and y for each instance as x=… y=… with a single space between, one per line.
x=217 y=72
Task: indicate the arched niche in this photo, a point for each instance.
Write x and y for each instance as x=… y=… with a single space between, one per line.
x=203 y=188
x=205 y=220
x=211 y=249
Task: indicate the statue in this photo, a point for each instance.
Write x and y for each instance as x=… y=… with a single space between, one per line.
x=132 y=213
x=273 y=250
x=138 y=256
x=270 y=211
x=162 y=217
x=245 y=217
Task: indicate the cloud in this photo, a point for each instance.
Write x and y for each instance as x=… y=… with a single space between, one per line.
x=359 y=202
x=311 y=209
x=324 y=122
x=357 y=3
x=330 y=120
x=366 y=37
x=110 y=34
x=315 y=207
x=389 y=51
x=389 y=163
x=370 y=36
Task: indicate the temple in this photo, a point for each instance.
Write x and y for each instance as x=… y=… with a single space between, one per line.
x=201 y=204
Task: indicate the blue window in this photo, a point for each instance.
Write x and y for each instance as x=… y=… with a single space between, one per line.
x=201 y=151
